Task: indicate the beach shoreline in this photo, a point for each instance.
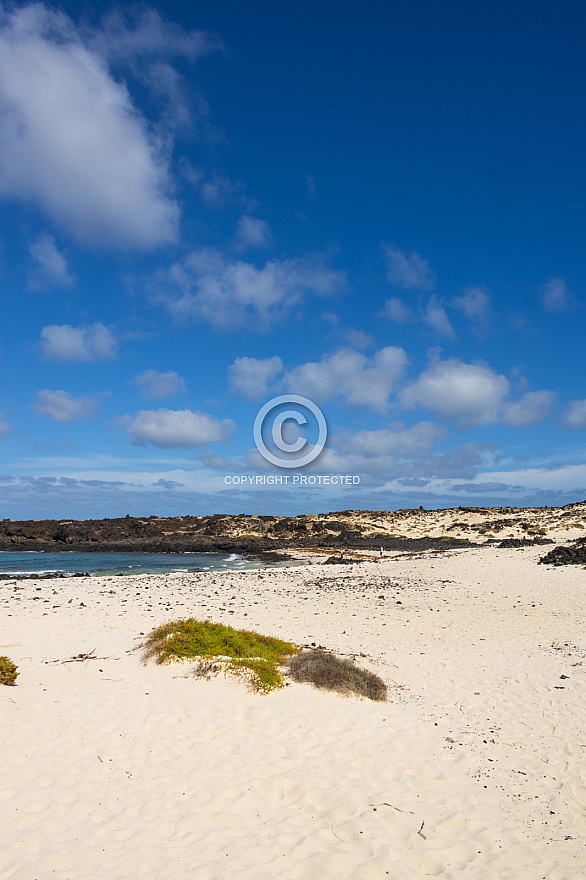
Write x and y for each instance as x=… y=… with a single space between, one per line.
x=113 y=768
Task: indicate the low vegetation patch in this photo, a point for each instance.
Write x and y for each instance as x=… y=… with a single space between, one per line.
x=235 y=651
x=8 y=673
x=256 y=658
x=324 y=670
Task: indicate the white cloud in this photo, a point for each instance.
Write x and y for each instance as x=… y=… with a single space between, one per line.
x=475 y=304
x=360 y=380
x=4 y=426
x=435 y=316
x=409 y=270
x=229 y=294
x=566 y=477
x=393 y=441
x=51 y=268
x=62 y=342
x=473 y=395
x=403 y=456
x=156 y=386
x=177 y=429
x=532 y=408
x=252 y=232
x=575 y=414
x=141 y=40
x=554 y=295
x=62 y=407
x=396 y=310
x=71 y=140
x=252 y=377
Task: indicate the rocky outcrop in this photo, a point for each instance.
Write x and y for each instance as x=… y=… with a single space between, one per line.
x=524 y=542
x=248 y=535
x=393 y=530
x=567 y=554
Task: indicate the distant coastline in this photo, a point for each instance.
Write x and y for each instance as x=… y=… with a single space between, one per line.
x=270 y=537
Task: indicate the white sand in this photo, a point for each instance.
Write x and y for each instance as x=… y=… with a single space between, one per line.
x=110 y=769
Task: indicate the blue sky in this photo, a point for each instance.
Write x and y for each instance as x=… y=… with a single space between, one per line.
x=379 y=207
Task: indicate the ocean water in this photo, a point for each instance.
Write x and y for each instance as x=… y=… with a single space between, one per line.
x=31 y=563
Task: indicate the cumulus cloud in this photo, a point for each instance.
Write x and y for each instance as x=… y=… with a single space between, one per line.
x=228 y=294
x=154 y=385
x=4 y=426
x=89 y=344
x=435 y=316
x=409 y=270
x=460 y=462
x=62 y=407
x=252 y=232
x=475 y=304
x=401 y=455
x=395 y=440
x=358 y=379
x=252 y=376
x=554 y=295
x=575 y=414
x=473 y=395
x=71 y=141
x=532 y=408
x=396 y=310
x=51 y=269
x=177 y=429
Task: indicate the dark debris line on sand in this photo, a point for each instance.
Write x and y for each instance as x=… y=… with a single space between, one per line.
x=509 y=543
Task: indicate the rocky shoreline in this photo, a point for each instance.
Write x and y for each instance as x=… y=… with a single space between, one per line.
x=272 y=537
x=217 y=534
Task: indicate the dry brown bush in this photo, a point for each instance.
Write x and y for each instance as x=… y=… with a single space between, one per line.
x=327 y=671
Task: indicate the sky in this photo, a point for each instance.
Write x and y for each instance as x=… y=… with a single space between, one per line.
x=379 y=207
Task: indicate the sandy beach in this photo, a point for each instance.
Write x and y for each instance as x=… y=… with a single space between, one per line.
x=473 y=768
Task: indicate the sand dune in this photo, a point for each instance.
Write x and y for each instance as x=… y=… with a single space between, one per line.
x=474 y=767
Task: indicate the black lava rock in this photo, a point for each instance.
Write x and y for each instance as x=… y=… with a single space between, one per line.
x=572 y=554
x=524 y=542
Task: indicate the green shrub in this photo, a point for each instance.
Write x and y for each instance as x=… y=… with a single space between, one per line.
x=8 y=673
x=324 y=670
x=237 y=651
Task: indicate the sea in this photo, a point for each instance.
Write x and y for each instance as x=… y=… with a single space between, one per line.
x=32 y=563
